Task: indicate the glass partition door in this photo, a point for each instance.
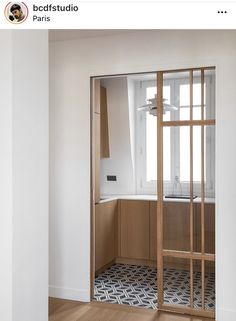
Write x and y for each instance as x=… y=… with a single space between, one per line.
x=185 y=208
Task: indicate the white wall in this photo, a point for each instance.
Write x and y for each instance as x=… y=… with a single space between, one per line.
x=120 y=162
x=25 y=110
x=132 y=125
x=6 y=178
x=72 y=63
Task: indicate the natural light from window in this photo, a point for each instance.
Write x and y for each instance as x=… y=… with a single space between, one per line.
x=184 y=114
x=151 y=139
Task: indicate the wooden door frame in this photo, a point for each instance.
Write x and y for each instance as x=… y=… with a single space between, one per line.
x=160 y=251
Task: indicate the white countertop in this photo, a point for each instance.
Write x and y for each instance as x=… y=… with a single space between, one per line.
x=108 y=198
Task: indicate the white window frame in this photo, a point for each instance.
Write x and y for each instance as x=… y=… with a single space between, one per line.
x=144 y=187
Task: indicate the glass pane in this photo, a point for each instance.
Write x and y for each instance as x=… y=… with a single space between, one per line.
x=209 y=285
x=197 y=156
x=209 y=94
x=166 y=101
x=209 y=79
x=184 y=101
x=184 y=138
x=182 y=89
x=197 y=95
x=197 y=228
x=176 y=281
x=209 y=224
x=151 y=147
x=176 y=225
x=209 y=135
x=197 y=152
x=177 y=106
x=176 y=161
x=209 y=290
x=197 y=284
x=166 y=154
x=209 y=227
x=151 y=93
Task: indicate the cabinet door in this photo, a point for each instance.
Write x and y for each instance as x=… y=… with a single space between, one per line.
x=96 y=96
x=209 y=226
x=176 y=231
x=176 y=226
x=105 y=233
x=153 y=231
x=105 y=152
x=134 y=229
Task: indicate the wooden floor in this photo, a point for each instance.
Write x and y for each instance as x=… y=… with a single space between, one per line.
x=64 y=310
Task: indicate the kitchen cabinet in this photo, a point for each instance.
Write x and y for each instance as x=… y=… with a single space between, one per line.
x=176 y=226
x=100 y=133
x=96 y=96
x=209 y=235
x=134 y=229
x=104 y=133
x=105 y=233
x=126 y=232
x=176 y=229
x=209 y=226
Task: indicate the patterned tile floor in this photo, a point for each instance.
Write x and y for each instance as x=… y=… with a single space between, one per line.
x=136 y=285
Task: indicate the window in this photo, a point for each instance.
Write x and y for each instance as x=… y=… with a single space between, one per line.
x=176 y=142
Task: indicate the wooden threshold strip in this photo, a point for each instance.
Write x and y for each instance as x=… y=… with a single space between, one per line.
x=206 y=122
x=189 y=255
x=187 y=310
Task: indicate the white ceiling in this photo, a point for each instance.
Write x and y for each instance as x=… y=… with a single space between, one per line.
x=71 y=34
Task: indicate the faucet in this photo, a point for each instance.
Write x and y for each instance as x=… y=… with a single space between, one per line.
x=177 y=184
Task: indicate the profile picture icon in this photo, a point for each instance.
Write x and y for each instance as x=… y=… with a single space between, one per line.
x=16 y=12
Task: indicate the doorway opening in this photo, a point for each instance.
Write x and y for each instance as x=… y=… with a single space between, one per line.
x=153 y=195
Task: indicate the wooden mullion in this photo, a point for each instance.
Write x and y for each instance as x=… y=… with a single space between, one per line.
x=202 y=189
x=206 y=122
x=188 y=255
x=191 y=185
x=160 y=290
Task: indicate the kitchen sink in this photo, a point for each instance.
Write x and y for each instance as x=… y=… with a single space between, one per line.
x=179 y=196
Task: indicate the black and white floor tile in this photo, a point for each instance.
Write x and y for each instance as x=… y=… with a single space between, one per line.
x=136 y=286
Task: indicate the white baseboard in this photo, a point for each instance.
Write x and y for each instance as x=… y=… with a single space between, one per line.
x=69 y=294
x=225 y=315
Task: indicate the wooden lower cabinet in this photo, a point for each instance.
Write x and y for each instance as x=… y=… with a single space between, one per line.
x=176 y=230
x=134 y=229
x=209 y=227
x=176 y=226
x=105 y=233
x=126 y=232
